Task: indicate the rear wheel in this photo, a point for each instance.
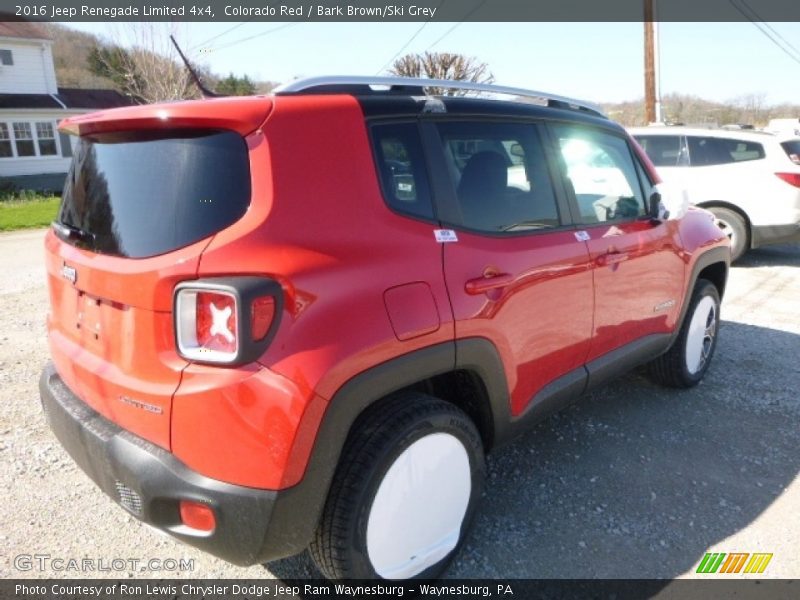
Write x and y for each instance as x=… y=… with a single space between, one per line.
x=687 y=361
x=404 y=493
x=734 y=226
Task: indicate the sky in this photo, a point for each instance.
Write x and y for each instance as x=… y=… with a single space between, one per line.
x=600 y=62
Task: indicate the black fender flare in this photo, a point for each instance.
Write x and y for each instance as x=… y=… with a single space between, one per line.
x=297 y=510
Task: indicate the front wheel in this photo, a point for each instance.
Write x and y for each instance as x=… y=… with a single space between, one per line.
x=687 y=361
x=403 y=494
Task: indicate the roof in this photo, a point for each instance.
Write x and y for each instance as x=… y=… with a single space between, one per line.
x=93 y=98
x=69 y=97
x=23 y=29
x=742 y=134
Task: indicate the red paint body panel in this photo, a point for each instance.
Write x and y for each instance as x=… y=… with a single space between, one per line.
x=638 y=266
x=542 y=321
x=128 y=304
x=412 y=310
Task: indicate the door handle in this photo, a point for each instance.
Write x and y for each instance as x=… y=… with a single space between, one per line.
x=481 y=285
x=611 y=258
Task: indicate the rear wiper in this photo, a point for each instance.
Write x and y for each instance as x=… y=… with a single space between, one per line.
x=70 y=232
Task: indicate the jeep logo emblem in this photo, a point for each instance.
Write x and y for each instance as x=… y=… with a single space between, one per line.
x=69 y=273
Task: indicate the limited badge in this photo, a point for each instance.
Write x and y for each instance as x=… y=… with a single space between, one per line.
x=445 y=235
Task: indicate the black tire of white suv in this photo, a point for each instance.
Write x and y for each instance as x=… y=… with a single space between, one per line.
x=404 y=492
x=735 y=227
x=687 y=361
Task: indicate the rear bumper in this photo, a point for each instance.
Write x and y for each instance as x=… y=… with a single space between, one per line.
x=775 y=234
x=149 y=482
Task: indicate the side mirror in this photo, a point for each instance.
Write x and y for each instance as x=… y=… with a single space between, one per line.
x=668 y=202
x=657 y=210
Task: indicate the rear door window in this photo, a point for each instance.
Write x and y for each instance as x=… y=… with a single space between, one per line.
x=706 y=151
x=501 y=176
x=143 y=194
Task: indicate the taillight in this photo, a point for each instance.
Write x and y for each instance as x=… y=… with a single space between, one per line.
x=790 y=178
x=263 y=312
x=226 y=321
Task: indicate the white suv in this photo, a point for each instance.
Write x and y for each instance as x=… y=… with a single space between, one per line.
x=750 y=180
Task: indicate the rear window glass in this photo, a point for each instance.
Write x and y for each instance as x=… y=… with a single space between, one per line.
x=792 y=149
x=143 y=194
x=704 y=151
x=401 y=165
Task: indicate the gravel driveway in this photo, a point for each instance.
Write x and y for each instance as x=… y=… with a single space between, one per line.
x=634 y=481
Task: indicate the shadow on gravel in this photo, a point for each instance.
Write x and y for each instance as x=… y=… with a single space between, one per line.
x=635 y=480
x=786 y=255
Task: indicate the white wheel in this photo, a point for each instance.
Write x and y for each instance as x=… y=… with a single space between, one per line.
x=404 y=492
x=700 y=337
x=416 y=516
x=686 y=362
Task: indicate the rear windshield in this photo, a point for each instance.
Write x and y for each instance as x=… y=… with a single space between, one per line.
x=142 y=194
x=792 y=148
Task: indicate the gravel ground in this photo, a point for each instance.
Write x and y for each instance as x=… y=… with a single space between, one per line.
x=634 y=481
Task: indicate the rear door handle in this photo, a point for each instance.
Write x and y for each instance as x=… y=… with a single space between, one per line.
x=481 y=285
x=611 y=258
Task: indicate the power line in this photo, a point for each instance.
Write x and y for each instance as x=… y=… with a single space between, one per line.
x=226 y=32
x=411 y=39
x=257 y=35
x=457 y=25
x=768 y=26
x=403 y=47
x=757 y=25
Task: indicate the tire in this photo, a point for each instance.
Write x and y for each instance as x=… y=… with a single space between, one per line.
x=404 y=493
x=687 y=361
x=735 y=227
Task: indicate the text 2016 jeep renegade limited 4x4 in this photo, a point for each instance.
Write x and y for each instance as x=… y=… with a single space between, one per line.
x=300 y=320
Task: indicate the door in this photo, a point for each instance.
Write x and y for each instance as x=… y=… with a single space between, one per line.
x=516 y=273
x=638 y=269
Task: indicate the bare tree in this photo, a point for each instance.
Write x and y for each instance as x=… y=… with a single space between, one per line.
x=443 y=65
x=143 y=64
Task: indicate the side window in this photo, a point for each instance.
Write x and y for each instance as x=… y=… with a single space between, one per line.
x=501 y=178
x=665 y=150
x=706 y=151
x=601 y=169
x=401 y=168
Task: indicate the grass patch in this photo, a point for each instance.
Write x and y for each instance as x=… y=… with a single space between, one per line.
x=27 y=211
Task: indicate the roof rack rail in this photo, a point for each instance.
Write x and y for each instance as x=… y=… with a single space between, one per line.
x=363 y=84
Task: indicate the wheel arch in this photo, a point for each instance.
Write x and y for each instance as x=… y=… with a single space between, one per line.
x=467 y=373
x=713 y=265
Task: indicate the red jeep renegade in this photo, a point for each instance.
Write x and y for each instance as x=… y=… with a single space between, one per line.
x=301 y=320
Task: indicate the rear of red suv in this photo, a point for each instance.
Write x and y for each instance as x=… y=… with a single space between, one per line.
x=204 y=272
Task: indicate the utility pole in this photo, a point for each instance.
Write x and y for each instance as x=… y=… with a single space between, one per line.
x=649 y=64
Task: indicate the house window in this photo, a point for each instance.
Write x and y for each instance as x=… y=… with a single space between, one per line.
x=24 y=139
x=6 y=58
x=47 y=139
x=5 y=141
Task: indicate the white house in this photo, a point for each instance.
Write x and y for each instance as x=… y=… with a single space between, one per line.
x=33 y=155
